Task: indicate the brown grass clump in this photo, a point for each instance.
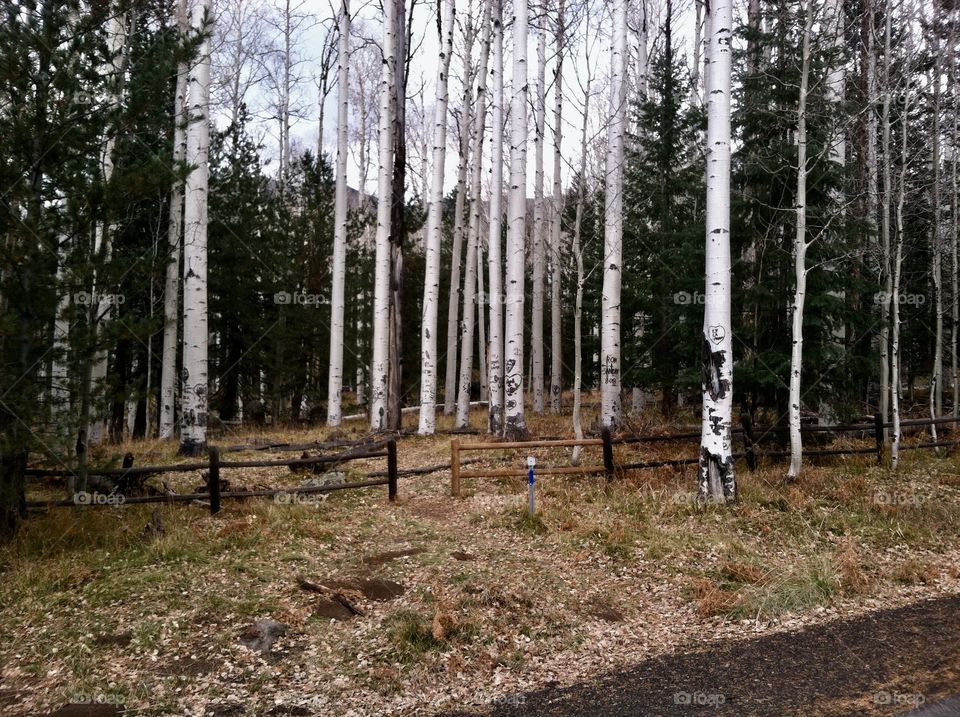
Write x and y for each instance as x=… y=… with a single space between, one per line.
x=849 y=570
x=742 y=572
x=711 y=598
x=444 y=621
x=914 y=571
x=851 y=489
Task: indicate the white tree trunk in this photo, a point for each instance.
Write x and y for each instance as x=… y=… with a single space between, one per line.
x=379 y=365
x=707 y=48
x=482 y=323
x=954 y=248
x=578 y=256
x=59 y=369
x=495 y=258
x=194 y=381
x=171 y=292
x=643 y=51
x=696 y=95
x=339 y=269
x=610 y=399
x=102 y=243
x=717 y=478
x=936 y=244
x=514 y=421
x=433 y=240
x=459 y=229
x=473 y=240
x=873 y=202
x=834 y=18
x=885 y=386
x=799 y=257
x=539 y=228
x=556 y=363
x=898 y=252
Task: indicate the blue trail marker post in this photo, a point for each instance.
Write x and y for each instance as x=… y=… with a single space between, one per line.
x=531 y=462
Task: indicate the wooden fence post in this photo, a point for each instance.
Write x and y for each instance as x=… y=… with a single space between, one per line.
x=455 y=467
x=608 y=466
x=748 y=444
x=213 y=480
x=878 y=435
x=392 y=470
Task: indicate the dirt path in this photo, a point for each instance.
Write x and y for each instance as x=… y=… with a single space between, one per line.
x=888 y=662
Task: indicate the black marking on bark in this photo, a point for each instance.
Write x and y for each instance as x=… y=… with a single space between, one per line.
x=711 y=367
x=717 y=479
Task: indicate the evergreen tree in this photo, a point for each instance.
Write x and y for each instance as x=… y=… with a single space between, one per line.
x=663 y=239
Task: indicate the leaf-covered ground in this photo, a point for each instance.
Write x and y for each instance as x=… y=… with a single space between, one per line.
x=494 y=604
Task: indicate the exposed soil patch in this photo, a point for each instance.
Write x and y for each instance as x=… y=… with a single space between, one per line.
x=382 y=558
x=430 y=508
x=289 y=711
x=332 y=610
x=371 y=588
x=188 y=668
x=88 y=711
x=458 y=555
x=121 y=639
x=881 y=663
x=604 y=610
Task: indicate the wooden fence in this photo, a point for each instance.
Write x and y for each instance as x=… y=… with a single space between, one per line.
x=214 y=494
x=749 y=434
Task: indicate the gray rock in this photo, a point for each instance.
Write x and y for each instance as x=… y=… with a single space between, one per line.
x=261 y=635
x=325 y=480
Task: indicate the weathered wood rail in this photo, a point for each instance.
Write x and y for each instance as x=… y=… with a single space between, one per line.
x=747 y=432
x=215 y=494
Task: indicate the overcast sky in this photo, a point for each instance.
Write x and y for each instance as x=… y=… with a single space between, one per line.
x=587 y=54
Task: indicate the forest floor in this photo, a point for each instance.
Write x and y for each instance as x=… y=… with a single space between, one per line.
x=467 y=604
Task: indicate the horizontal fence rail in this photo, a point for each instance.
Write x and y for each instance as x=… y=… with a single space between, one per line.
x=215 y=494
x=751 y=453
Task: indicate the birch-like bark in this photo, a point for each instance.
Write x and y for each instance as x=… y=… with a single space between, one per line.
x=59 y=371
x=514 y=421
x=873 y=202
x=171 y=292
x=886 y=298
x=610 y=400
x=539 y=228
x=482 y=321
x=897 y=262
x=578 y=301
x=286 y=33
x=696 y=95
x=339 y=269
x=494 y=242
x=194 y=378
x=94 y=426
x=799 y=256
x=556 y=363
x=398 y=220
x=954 y=247
x=835 y=20
x=936 y=245
x=433 y=240
x=707 y=46
x=473 y=240
x=459 y=228
x=716 y=476
x=379 y=366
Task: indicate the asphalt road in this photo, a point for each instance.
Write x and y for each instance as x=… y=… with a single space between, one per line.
x=899 y=661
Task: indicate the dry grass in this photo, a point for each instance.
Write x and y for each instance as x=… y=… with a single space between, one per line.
x=495 y=598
